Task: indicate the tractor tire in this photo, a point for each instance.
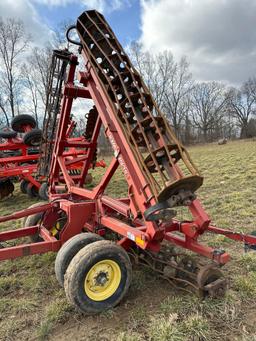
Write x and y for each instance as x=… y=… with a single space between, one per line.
x=19 y=121
x=43 y=191
x=33 y=138
x=32 y=191
x=23 y=186
x=33 y=220
x=69 y=250
x=7 y=133
x=98 y=277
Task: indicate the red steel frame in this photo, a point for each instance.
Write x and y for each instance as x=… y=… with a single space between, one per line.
x=92 y=209
x=11 y=166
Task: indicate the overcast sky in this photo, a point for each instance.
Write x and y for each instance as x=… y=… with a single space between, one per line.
x=217 y=36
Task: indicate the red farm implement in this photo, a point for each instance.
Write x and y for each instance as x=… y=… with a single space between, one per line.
x=96 y=271
x=19 y=155
x=29 y=157
x=19 y=160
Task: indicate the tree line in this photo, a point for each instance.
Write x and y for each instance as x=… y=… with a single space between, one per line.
x=197 y=111
x=24 y=70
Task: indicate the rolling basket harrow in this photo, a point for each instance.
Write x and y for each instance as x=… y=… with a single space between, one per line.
x=96 y=271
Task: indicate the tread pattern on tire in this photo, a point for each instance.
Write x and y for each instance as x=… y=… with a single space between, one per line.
x=32 y=191
x=69 y=249
x=32 y=220
x=43 y=191
x=23 y=186
x=71 y=286
x=20 y=120
x=33 y=134
x=7 y=133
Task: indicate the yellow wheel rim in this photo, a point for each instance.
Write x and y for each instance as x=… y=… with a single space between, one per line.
x=102 y=280
x=55 y=229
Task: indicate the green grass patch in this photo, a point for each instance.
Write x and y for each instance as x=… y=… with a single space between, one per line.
x=246 y=285
x=55 y=313
x=33 y=306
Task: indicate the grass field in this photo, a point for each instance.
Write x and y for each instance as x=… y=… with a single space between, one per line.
x=33 y=306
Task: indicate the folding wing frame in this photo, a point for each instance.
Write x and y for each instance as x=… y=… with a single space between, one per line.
x=144 y=147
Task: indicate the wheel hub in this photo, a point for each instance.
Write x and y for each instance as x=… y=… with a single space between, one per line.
x=102 y=280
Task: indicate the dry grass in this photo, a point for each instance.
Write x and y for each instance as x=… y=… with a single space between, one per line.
x=33 y=306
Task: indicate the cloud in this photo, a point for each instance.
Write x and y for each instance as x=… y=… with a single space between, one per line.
x=24 y=10
x=34 y=24
x=52 y=3
x=217 y=36
x=104 y=6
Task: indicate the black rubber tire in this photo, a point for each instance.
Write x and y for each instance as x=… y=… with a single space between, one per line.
x=32 y=190
x=82 y=263
x=7 y=133
x=23 y=186
x=43 y=191
x=69 y=250
x=33 y=137
x=33 y=220
x=20 y=120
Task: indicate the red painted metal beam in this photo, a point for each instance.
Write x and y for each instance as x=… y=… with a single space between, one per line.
x=238 y=236
x=136 y=235
x=18 y=171
x=78 y=144
x=73 y=91
x=49 y=243
x=26 y=212
x=29 y=249
x=18 y=233
x=18 y=159
x=193 y=245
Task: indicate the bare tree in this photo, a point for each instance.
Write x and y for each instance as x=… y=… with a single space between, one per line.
x=154 y=69
x=250 y=87
x=39 y=62
x=60 y=39
x=13 y=43
x=30 y=83
x=208 y=102
x=177 y=94
x=228 y=125
x=3 y=107
x=169 y=82
x=34 y=74
x=252 y=127
x=242 y=105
